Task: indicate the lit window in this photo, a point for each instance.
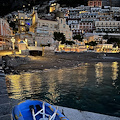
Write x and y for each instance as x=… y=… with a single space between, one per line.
x=21 y=17
x=61 y=20
x=22 y=29
x=22 y=23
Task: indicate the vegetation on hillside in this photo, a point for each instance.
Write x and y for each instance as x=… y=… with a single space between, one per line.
x=62 y=39
x=72 y=3
x=78 y=37
x=7 y=6
x=114 y=41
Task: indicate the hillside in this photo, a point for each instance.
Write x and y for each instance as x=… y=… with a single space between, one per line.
x=7 y=6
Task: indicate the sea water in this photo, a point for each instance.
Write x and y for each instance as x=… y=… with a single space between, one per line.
x=93 y=87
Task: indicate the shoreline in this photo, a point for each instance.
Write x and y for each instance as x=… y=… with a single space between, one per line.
x=18 y=63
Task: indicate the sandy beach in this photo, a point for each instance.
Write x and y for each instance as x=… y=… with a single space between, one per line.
x=59 y=60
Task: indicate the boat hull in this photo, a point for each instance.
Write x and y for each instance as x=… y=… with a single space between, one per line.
x=22 y=111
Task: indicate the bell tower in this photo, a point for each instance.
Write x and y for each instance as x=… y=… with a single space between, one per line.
x=34 y=20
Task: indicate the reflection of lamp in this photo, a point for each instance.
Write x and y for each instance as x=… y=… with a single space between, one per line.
x=13 y=41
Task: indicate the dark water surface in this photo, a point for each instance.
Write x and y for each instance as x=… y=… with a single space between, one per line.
x=91 y=87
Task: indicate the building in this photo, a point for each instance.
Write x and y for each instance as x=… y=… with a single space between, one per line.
x=21 y=22
x=107 y=26
x=44 y=29
x=98 y=39
x=95 y=3
x=54 y=7
x=107 y=48
x=5 y=35
x=114 y=3
x=84 y=23
x=23 y=36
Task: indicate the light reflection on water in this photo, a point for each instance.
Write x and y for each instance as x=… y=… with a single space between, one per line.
x=91 y=87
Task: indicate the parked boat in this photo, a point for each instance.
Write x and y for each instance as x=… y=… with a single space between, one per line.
x=36 y=110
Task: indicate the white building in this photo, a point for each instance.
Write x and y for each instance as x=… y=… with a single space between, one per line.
x=107 y=48
x=108 y=26
x=44 y=29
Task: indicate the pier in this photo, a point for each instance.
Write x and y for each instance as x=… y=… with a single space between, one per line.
x=5 y=106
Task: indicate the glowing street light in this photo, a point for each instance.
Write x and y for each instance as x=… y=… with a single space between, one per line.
x=23 y=6
x=13 y=42
x=26 y=42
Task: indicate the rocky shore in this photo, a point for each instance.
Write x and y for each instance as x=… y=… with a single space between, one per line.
x=18 y=63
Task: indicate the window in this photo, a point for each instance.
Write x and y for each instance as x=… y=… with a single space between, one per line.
x=61 y=20
x=22 y=23
x=63 y=25
x=47 y=24
x=21 y=17
x=99 y=3
x=91 y=3
x=22 y=29
x=51 y=26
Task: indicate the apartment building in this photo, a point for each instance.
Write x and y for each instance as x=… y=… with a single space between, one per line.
x=114 y=3
x=5 y=35
x=107 y=26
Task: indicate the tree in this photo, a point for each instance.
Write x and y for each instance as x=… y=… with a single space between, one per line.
x=78 y=37
x=70 y=2
x=12 y=24
x=105 y=36
x=69 y=42
x=92 y=43
x=59 y=37
x=115 y=41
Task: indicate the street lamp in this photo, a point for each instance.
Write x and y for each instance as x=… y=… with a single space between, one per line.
x=13 y=42
x=26 y=41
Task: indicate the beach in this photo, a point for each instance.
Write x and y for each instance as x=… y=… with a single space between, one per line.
x=18 y=63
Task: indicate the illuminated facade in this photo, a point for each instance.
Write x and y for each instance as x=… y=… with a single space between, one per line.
x=5 y=35
x=21 y=22
x=49 y=27
x=107 y=48
x=98 y=39
x=95 y=3
x=108 y=26
x=54 y=7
